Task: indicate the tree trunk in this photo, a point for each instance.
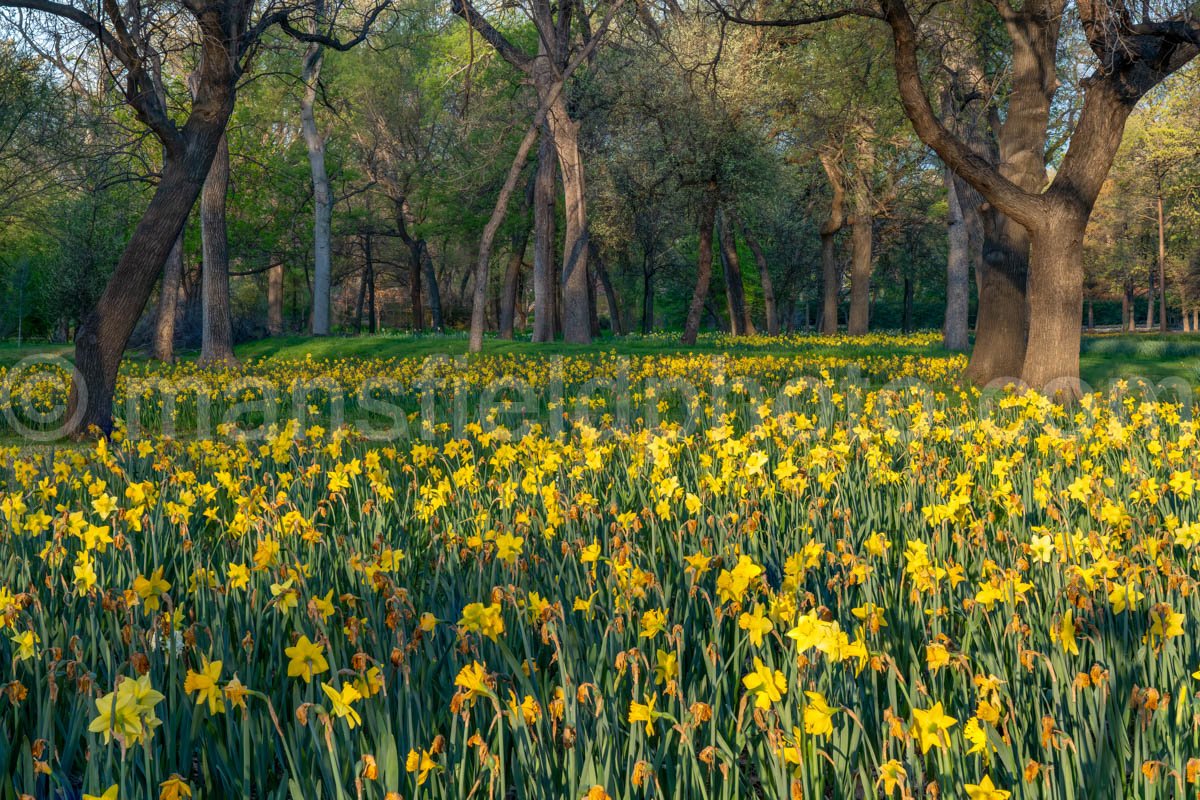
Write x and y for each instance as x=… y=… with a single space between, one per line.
x=860 y=274
x=516 y=259
x=576 y=323
x=647 y=299
x=168 y=304
x=415 y=279
x=322 y=196
x=735 y=290
x=1150 y=303
x=908 y=305
x=1091 y=318
x=1002 y=321
x=1162 y=267
x=708 y=209
x=1055 y=306
x=275 y=300
x=431 y=287
x=362 y=301
x=831 y=278
x=610 y=294
x=764 y=277
x=955 y=329
x=1127 y=321
x=216 y=339
x=544 y=290
x=101 y=337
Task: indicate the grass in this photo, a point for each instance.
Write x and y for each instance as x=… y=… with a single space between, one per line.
x=1104 y=357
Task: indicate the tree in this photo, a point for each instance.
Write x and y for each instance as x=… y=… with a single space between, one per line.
x=548 y=69
x=226 y=36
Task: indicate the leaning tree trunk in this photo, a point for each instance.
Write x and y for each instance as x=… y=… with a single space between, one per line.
x=708 y=210
x=101 y=338
x=275 y=299
x=168 y=304
x=955 y=330
x=544 y=291
x=216 y=336
x=735 y=290
x=322 y=196
x=764 y=278
x=860 y=273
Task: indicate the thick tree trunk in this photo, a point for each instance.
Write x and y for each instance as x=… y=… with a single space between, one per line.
x=545 y=292
x=764 y=277
x=708 y=210
x=216 y=338
x=576 y=324
x=275 y=300
x=322 y=195
x=735 y=291
x=831 y=279
x=1002 y=319
x=860 y=274
x=168 y=304
x=1056 y=306
x=955 y=329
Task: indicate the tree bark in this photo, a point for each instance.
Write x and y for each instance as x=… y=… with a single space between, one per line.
x=708 y=210
x=1128 y=323
x=907 y=321
x=544 y=290
x=1150 y=299
x=610 y=294
x=764 y=277
x=1162 y=266
x=516 y=259
x=735 y=290
x=955 y=329
x=168 y=304
x=431 y=287
x=101 y=338
x=576 y=322
x=1056 y=306
x=322 y=196
x=647 y=299
x=216 y=338
x=860 y=274
x=831 y=279
x=275 y=300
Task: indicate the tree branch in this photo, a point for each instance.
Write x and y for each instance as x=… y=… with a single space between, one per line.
x=495 y=38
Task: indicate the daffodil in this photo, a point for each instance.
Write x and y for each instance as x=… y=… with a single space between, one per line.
x=766 y=685
x=306 y=659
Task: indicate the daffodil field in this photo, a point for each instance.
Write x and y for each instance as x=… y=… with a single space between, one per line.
x=761 y=575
